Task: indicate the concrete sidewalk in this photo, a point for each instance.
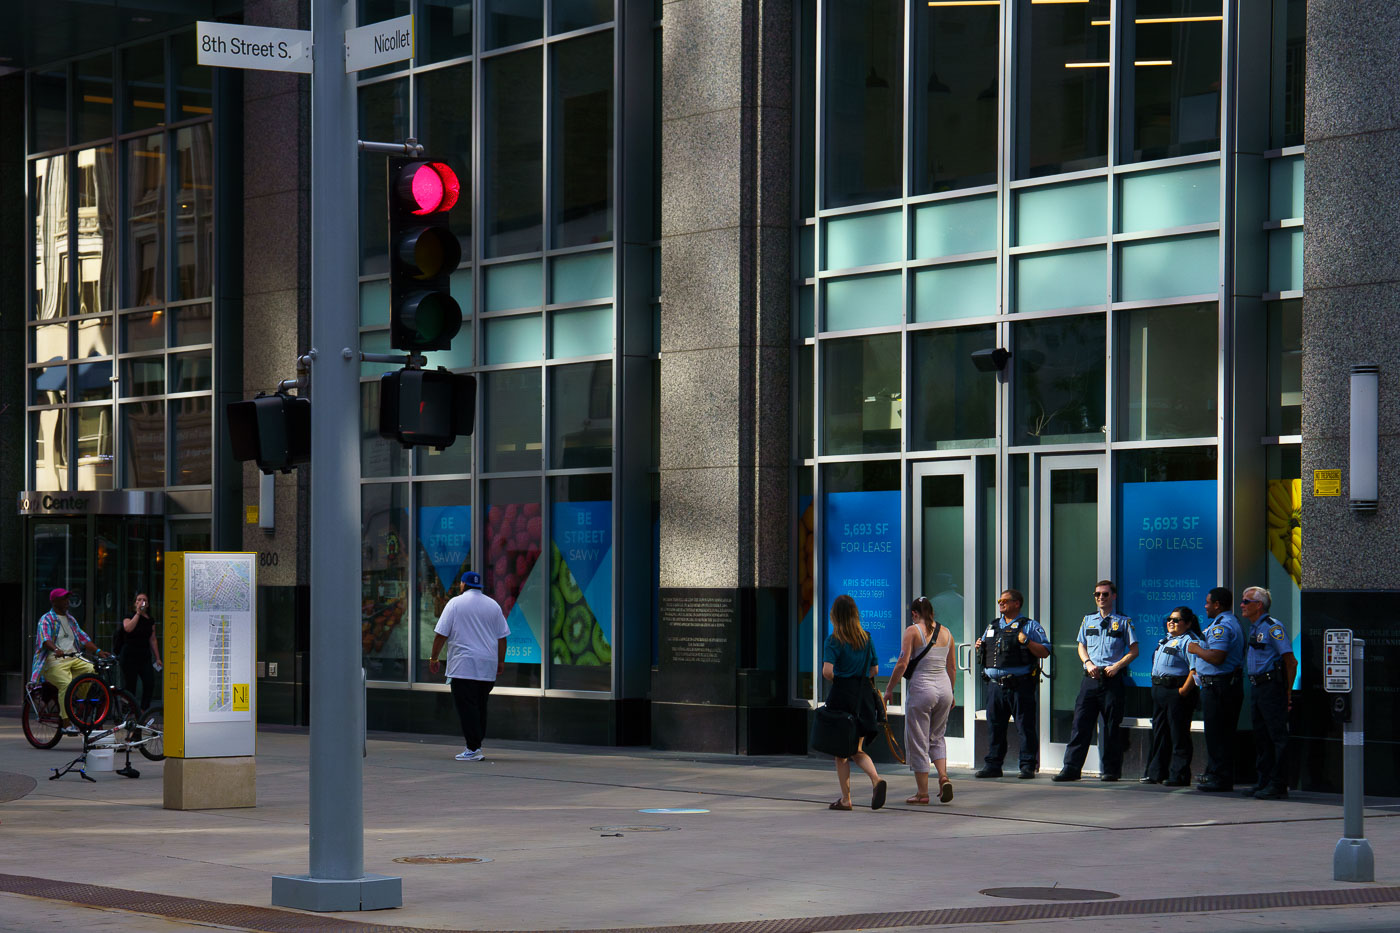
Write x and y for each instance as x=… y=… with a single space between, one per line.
x=545 y=816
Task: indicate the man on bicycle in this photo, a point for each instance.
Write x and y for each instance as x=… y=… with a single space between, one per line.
x=59 y=644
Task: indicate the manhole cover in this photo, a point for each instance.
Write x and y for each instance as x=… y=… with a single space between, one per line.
x=1050 y=894
x=673 y=810
x=633 y=829
x=440 y=859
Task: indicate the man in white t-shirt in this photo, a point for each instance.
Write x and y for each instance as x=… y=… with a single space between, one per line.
x=474 y=629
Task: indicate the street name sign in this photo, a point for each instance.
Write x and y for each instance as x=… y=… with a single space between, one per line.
x=1336 y=660
x=381 y=43
x=264 y=48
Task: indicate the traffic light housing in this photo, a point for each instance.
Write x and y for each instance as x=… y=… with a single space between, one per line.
x=274 y=430
x=423 y=252
x=426 y=407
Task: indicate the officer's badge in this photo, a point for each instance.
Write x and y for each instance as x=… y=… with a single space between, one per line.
x=1217 y=631
x=1014 y=626
x=1115 y=625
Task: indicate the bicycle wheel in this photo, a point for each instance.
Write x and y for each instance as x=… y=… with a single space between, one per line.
x=41 y=728
x=89 y=700
x=152 y=729
x=125 y=712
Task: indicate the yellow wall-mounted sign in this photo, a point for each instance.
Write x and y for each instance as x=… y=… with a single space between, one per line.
x=1327 y=482
x=250 y=514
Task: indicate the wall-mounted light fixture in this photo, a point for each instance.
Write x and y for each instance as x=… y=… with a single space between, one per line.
x=1365 y=436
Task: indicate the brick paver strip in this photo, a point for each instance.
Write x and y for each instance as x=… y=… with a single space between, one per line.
x=272 y=920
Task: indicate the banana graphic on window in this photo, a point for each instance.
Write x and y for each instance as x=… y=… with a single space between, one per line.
x=1285 y=533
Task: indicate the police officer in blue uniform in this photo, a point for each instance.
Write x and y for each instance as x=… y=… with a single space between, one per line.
x=1009 y=651
x=1169 y=758
x=1217 y=663
x=1270 y=665
x=1107 y=646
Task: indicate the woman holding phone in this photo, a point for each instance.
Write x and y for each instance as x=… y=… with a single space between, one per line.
x=138 y=651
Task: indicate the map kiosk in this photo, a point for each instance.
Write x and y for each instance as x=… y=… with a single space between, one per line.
x=210 y=687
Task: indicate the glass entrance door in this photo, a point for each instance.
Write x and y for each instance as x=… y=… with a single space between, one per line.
x=944 y=551
x=1073 y=553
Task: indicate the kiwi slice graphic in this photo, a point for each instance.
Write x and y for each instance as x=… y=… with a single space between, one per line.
x=560 y=653
x=600 y=645
x=556 y=612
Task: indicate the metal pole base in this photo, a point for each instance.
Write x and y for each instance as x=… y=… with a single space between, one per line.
x=303 y=892
x=1352 y=860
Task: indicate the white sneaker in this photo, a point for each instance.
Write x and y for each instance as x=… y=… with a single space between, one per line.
x=470 y=754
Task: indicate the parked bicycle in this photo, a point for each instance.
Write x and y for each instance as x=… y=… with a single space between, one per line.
x=95 y=705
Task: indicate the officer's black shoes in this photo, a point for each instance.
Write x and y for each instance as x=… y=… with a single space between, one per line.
x=1214 y=788
x=1251 y=790
x=1108 y=778
x=1065 y=776
x=988 y=772
x=1148 y=780
x=1026 y=774
x=1185 y=782
x=1272 y=792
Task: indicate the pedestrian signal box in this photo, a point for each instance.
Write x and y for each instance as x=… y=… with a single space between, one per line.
x=426 y=407
x=423 y=253
x=274 y=430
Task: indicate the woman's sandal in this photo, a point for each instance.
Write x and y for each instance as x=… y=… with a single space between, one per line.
x=945 y=792
x=838 y=805
x=918 y=800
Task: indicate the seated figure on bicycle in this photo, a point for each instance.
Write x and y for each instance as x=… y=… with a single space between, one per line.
x=59 y=644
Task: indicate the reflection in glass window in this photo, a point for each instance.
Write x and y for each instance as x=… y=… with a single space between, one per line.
x=50 y=342
x=445 y=128
x=806 y=418
x=1163 y=358
x=143 y=443
x=1290 y=51
x=513 y=573
x=864 y=117
x=48 y=111
x=446 y=32
x=861 y=395
x=191 y=372
x=49 y=386
x=455 y=459
x=192 y=324
x=190 y=535
x=95 y=337
x=379 y=456
x=384 y=623
x=94 y=434
x=192 y=441
x=194 y=212
x=143 y=83
x=145 y=238
x=92 y=98
x=1285 y=405
x=805 y=128
x=143 y=376
x=581 y=160
x=1058 y=382
x=1176 y=78
x=512 y=419
x=954 y=403
x=1062 y=94
x=509 y=22
x=956 y=64
x=49 y=431
x=49 y=187
x=580 y=582
x=568 y=15
x=383 y=115
x=513 y=153
x=93 y=381
x=580 y=415
x=194 y=83
x=443 y=553
x=96 y=190
x=143 y=331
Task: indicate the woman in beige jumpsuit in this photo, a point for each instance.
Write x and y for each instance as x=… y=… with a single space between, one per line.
x=928 y=698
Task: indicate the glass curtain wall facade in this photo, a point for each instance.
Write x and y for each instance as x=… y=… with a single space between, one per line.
x=1045 y=178
x=521 y=99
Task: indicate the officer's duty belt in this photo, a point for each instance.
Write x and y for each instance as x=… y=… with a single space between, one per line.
x=1220 y=680
x=1266 y=677
x=1168 y=680
x=1010 y=680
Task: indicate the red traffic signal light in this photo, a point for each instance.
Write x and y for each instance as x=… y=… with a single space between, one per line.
x=423 y=252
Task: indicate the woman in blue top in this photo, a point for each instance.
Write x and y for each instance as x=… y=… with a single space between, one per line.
x=849 y=663
x=1172 y=702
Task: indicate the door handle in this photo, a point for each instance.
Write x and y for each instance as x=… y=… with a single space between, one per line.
x=965 y=657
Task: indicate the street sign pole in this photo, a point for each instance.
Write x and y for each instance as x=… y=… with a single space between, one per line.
x=1353 y=860
x=337 y=880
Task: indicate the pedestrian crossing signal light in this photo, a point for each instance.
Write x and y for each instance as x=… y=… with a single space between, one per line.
x=426 y=407
x=423 y=253
x=273 y=430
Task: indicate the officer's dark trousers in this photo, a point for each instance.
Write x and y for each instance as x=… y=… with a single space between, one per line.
x=1098 y=696
x=1268 y=707
x=471 y=697
x=1220 y=714
x=1169 y=758
x=1015 y=699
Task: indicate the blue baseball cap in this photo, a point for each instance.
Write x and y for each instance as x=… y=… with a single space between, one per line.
x=471 y=579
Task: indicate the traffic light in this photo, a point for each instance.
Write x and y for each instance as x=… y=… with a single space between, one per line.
x=426 y=407
x=274 y=430
x=423 y=252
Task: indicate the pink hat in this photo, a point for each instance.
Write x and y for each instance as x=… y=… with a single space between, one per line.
x=57 y=592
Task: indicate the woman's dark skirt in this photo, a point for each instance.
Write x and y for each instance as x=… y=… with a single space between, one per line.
x=856 y=696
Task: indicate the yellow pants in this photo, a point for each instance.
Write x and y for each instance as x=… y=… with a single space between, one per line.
x=60 y=673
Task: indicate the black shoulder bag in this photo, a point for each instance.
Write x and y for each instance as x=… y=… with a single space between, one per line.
x=914 y=661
